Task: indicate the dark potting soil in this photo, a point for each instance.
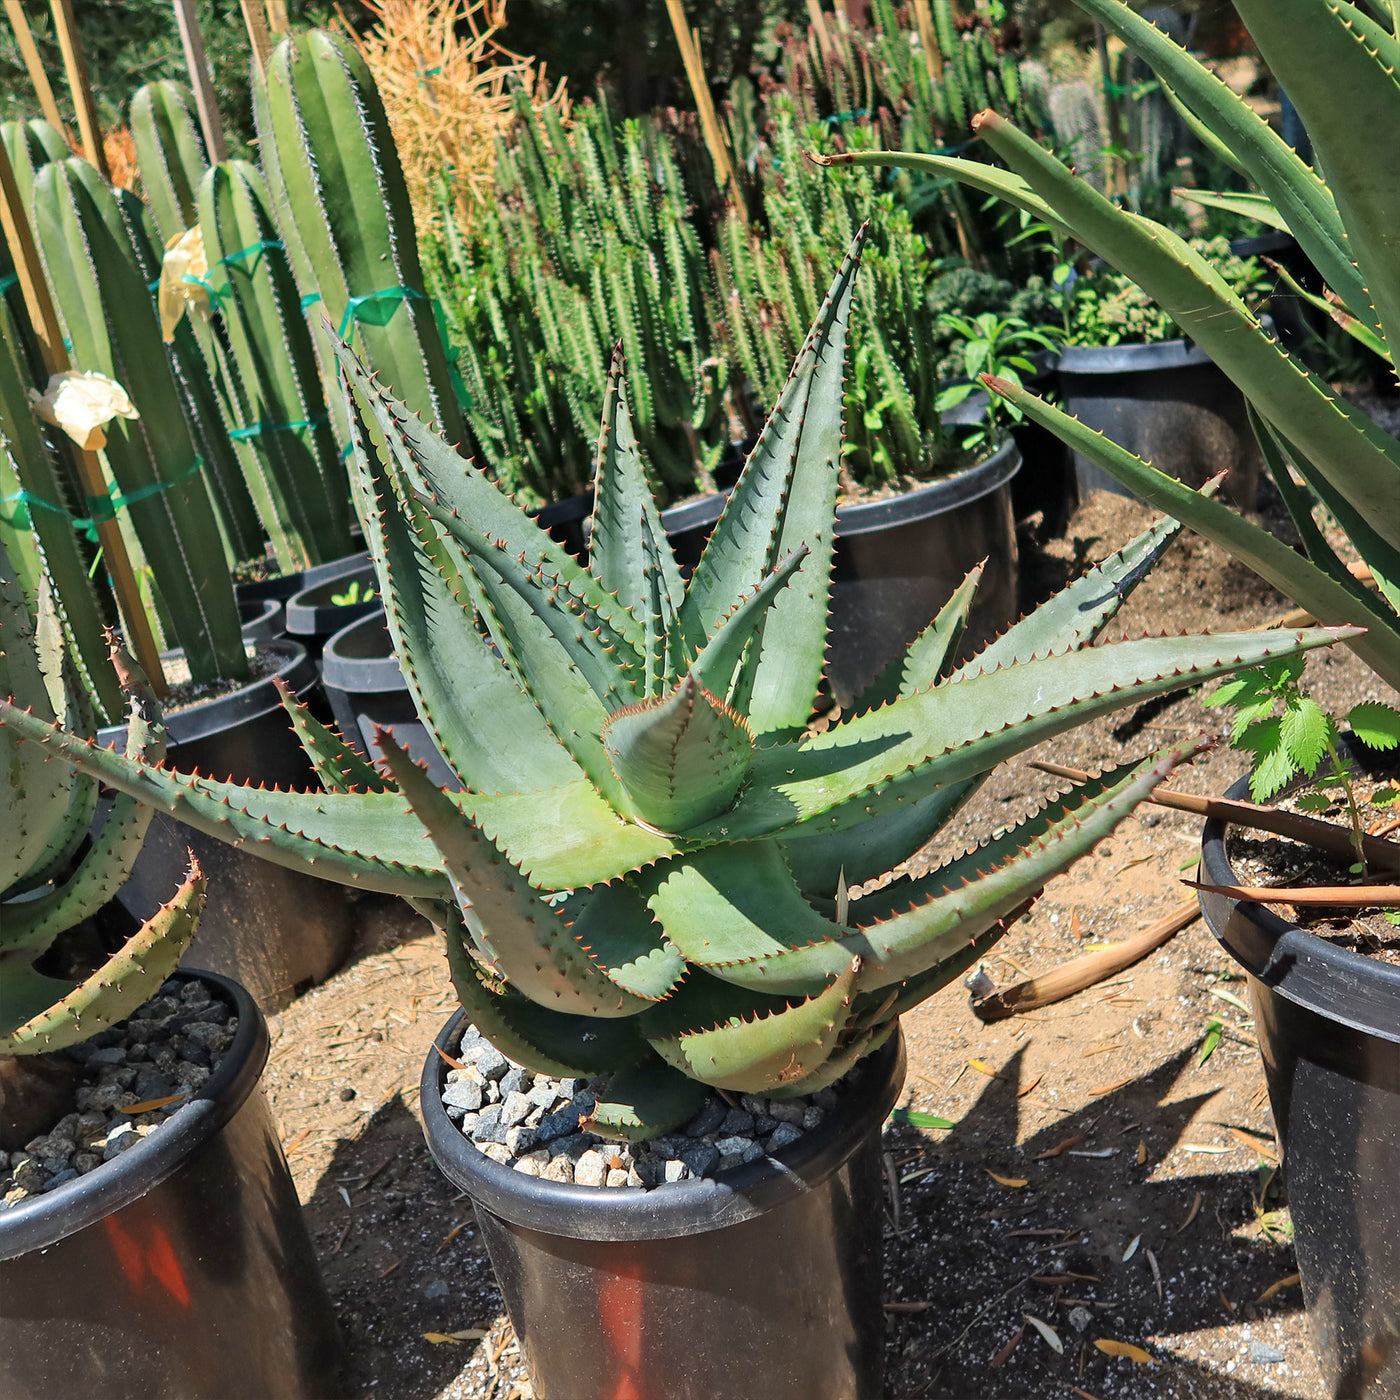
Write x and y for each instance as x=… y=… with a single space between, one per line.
x=262 y=662
x=138 y=1074
x=1259 y=859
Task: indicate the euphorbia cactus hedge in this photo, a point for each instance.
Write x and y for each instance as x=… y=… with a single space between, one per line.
x=647 y=870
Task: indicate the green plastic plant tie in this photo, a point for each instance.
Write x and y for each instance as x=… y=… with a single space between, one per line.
x=296 y=425
x=251 y=251
x=310 y=300
x=836 y=118
x=8 y=281
x=102 y=508
x=390 y=294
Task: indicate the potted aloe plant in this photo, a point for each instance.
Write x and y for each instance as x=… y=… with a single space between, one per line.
x=1326 y=1016
x=115 y=1202
x=645 y=877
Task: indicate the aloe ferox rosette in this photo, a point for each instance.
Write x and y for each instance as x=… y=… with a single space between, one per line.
x=646 y=871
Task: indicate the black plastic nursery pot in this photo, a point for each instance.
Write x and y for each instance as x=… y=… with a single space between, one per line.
x=898 y=561
x=314 y=617
x=366 y=690
x=182 y=1269
x=1328 y=1023
x=262 y=620
x=1168 y=404
x=762 y=1282
x=276 y=931
x=283 y=586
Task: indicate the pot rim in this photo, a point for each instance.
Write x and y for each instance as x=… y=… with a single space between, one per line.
x=660 y=1212
x=865 y=517
x=42 y=1221
x=1350 y=988
x=310 y=612
x=242 y=706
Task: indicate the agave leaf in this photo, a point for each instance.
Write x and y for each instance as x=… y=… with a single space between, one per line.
x=784 y=499
x=1301 y=197
x=627 y=553
x=488 y=730
x=548 y=1042
x=1322 y=595
x=1246 y=204
x=929 y=652
x=1318 y=51
x=681 y=759
x=526 y=940
x=754 y=1053
x=643 y=1103
x=63 y=1015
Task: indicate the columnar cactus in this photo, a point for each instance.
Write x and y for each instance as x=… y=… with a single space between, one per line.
x=170 y=153
x=46 y=886
x=646 y=871
x=342 y=205
x=300 y=488
x=103 y=299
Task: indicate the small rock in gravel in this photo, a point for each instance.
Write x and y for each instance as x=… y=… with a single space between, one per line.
x=735 y=1123
x=192 y=1052
x=591 y=1169
x=558 y=1125
x=782 y=1136
x=674 y=1171
x=29 y=1174
x=51 y=1145
x=154 y=1085
x=108 y=1055
x=190 y=1076
x=812 y=1116
x=708 y=1119
x=617 y=1176
x=463 y=1095
x=735 y=1150
x=574 y=1146
x=210 y=1036
x=514 y=1107
x=436 y=1288
x=560 y=1168
x=157 y=1009
x=786 y=1112
x=487 y=1059
x=60 y=1177
x=526 y=1166
x=488 y=1126
x=1264 y=1354
x=515 y=1081
x=700 y=1157
x=497 y=1152
x=1080 y=1318
x=520 y=1139
x=84 y=1162
x=544 y=1095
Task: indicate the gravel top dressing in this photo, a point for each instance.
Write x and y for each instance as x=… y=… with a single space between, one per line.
x=138 y=1075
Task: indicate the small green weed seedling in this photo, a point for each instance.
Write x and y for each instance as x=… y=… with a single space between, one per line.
x=354 y=594
x=1289 y=734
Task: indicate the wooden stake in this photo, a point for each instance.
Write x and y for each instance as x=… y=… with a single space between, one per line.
x=277 y=20
x=192 y=41
x=33 y=64
x=25 y=257
x=255 y=22
x=709 y=122
x=79 y=87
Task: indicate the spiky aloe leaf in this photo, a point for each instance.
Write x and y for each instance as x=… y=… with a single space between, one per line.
x=1301 y=43
x=745 y=1051
x=628 y=554
x=339 y=767
x=485 y=726
x=638 y=1104
x=546 y=1041
x=63 y=1015
x=681 y=759
x=784 y=500
x=707 y=903
x=523 y=936
x=929 y=652
x=837 y=1066
x=1307 y=204
x=1324 y=596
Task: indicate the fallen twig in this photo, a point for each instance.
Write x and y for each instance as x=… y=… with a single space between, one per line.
x=1084 y=971
x=1341 y=896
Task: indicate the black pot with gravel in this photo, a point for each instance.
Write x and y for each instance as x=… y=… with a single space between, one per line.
x=757 y=1227
x=151 y=1240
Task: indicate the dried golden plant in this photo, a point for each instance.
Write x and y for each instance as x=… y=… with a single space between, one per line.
x=120 y=150
x=447 y=86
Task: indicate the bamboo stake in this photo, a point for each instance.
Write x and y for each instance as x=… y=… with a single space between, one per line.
x=25 y=256
x=192 y=41
x=933 y=55
x=79 y=86
x=689 y=44
x=1325 y=836
x=255 y=22
x=277 y=20
x=1309 y=896
x=33 y=64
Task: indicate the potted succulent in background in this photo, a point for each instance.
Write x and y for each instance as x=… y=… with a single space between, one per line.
x=659 y=895
x=114 y=1224
x=1326 y=1016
